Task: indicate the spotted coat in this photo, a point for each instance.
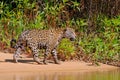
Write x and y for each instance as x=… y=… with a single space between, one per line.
x=38 y=39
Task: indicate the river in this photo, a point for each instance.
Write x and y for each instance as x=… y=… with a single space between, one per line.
x=98 y=75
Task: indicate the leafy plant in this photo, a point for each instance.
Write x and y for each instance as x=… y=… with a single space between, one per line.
x=66 y=48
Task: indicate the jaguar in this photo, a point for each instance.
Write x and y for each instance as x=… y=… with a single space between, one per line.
x=37 y=39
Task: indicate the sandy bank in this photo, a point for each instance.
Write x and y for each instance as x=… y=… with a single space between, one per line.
x=28 y=65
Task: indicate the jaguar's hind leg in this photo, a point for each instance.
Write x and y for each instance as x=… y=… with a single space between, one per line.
x=35 y=51
x=17 y=54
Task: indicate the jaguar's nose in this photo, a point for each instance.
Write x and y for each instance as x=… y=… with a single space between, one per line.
x=72 y=39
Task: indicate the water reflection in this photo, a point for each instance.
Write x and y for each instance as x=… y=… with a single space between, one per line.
x=107 y=75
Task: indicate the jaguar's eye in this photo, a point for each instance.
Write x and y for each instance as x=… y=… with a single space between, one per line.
x=21 y=44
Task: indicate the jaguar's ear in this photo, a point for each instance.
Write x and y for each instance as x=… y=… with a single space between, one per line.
x=65 y=29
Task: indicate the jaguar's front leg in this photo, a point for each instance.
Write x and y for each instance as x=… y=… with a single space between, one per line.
x=54 y=54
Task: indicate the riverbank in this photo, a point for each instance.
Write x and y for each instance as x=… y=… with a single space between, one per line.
x=28 y=65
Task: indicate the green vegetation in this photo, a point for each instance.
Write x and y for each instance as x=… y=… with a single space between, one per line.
x=66 y=49
x=97 y=25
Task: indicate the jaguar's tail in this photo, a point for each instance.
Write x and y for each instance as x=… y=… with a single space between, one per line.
x=13 y=43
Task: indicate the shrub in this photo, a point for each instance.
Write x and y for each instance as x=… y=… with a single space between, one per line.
x=67 y=48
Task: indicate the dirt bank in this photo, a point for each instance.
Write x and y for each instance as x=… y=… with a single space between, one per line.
x=28 y=65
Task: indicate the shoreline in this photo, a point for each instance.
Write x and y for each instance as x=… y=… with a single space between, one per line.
x=28 y=65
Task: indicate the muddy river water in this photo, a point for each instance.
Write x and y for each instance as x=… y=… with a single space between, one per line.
x=98 y=75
